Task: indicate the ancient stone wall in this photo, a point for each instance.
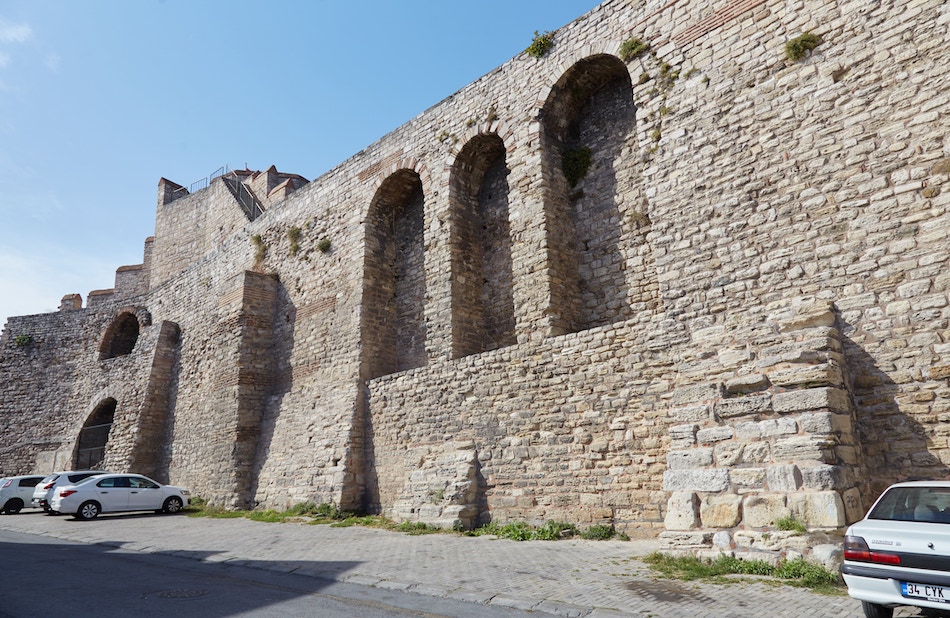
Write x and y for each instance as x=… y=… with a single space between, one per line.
x=732 y=314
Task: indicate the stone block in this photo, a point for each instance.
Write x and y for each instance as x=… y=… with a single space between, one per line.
x=714 y=434
x=689 y=458
x=684 y=539
x=853 y=505
x=698 y=393
x=822 y=476
x=682 y=511
x=823 y=398
x=828 y=555
x=728 y=453
x=824 y=374
x=802 y=448
x=721 y=511
x=747 y=384
x=784 y=478
x=696 y=480
x=762 y=510
x=722 y=540
x=686 y=414
x=778 y=427
x=743 y=406
x=818 y=509
x=756 y=452
x=748 y=431
x=747 y=478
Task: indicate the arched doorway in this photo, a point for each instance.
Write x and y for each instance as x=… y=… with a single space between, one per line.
x=91 y=445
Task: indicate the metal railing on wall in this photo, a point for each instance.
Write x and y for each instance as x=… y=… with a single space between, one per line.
x=201 y=183
x=251 y=205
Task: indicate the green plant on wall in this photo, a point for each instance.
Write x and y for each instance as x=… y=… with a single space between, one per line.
x=540 y=44
x=798 y=48
x=294 y=235
x=633 y=48
x=324 y=245
x=21 y=341
x=260 y=249
x=575 y=164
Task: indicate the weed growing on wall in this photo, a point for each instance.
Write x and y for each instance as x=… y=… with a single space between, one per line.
x=260 y=249
x=575 y=164
x=633 y=48
x=541 y=44
x=324 y=245
x=294 y=235
x=798 y=48
x=21 y=341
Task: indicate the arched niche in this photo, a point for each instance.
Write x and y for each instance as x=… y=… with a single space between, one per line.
x=394 y=284
x=483 y=311
x=94 y=436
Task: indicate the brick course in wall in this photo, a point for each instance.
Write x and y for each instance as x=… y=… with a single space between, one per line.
x=738 y=313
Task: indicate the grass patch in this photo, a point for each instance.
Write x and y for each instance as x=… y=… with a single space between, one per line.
x=790 y=524
x=800 y=46
x=791 y=572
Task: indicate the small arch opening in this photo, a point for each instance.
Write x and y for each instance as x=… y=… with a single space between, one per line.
x=121 y=336
x=94 y=436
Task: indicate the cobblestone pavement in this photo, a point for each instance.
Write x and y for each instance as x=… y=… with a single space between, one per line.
x=563 y=578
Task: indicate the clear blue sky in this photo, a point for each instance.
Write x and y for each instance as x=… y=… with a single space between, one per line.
x=101 y=98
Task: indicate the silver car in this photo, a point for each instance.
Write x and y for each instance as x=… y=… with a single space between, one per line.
x=115 y=493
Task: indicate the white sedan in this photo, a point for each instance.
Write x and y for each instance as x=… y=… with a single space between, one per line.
x=114 y=493
x=899 y=554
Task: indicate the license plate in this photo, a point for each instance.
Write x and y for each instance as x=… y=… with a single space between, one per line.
x=921 y=591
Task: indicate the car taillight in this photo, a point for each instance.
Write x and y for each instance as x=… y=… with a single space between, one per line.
x=66 y=492
x=856 y=548
x=48 y=486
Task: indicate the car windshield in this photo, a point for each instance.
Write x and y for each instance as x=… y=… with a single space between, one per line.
x=922 y=504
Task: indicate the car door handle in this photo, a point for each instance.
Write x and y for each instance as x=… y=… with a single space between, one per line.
x=134 y=492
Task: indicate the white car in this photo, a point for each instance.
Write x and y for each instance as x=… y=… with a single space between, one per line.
x=114 y=493
x=46 y=488
x=899 y=554
x=17 y=492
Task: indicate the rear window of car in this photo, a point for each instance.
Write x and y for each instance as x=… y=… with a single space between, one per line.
x=49 y=479
x=80 y=476
x=921 y=504
x=31 y=482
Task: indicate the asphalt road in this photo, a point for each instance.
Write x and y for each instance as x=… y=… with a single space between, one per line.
x=42 y=576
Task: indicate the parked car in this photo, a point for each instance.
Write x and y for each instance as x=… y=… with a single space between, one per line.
x=899 y=554
x=17 y=492
x=114 y=493
x=45 y=489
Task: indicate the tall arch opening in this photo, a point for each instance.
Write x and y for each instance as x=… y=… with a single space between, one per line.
x=483 y=307
x=394 y=284
x=588 y=135
x=91 y=445
x=120 y=337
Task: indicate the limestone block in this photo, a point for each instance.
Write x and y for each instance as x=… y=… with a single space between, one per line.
x=687 y=414
x=818 y=509
x=696 y=480
x=823 y=476
x=698 y=393
x=714 y=434
x=824 y=374
x=747 y=478
x=810 y=399
x=820 y=313
x=743 y=406
x=748 y=431
x=682 y=511
x=756 y=452
x=784 y=478
x=689 y=458
x=803 y=449
x=722 y=540
x=853 y=505
x=761 y=511
x=778 y=427
x=747 y=383
x=818 y=423
x=682 y=539
x=683 y=435
x=721 y=511
x=732 y=357
x=728 y=453
x=827 y=555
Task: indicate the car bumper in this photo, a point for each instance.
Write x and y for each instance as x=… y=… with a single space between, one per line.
x=882 y=585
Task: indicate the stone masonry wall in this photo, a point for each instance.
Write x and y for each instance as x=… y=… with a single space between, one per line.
x=736 y=314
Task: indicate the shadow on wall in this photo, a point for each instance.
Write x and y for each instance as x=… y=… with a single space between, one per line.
x=895 y=445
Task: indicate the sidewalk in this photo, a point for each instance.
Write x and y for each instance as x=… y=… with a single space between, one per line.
x=563 y=578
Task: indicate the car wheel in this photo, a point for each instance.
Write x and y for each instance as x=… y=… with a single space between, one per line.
x=13 y=506
x=873 y=610
x=46 y=508
x=88 y=510
x=172 y=505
